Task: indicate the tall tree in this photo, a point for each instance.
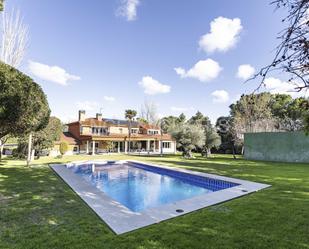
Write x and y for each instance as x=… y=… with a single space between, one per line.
x=130 y=115
x=23 y=104
x=149 y=113
x=14 y=38
x=252 y=113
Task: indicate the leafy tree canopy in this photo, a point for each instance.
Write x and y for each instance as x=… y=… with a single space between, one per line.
x=23 y=104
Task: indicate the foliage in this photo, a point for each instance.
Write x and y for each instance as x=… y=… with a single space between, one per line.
x=1 y=5
x=43 y=139
x=171 y=121
x=130 y=114
x=188 y=137
x=23 y=104
x=212 y=140
x=63 y=147
x=252 y=113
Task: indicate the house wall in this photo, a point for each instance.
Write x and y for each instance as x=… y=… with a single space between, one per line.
x=74 y=129
x=172 y=149
x=55 y=151
x=116 y=130
x=277 y=146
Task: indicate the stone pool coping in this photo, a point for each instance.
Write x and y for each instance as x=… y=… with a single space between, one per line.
x=121 y=220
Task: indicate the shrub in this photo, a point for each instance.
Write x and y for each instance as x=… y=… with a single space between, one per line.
x=64 y=147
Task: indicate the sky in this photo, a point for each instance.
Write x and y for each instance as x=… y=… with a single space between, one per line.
x=182 y=55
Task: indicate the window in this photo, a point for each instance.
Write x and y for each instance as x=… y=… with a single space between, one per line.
x=153 y=132
x=81 y=130
x=134 y=131
x=166 y=145
x=120 y=130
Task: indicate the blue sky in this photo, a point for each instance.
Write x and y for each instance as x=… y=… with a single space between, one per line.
x=116 y=54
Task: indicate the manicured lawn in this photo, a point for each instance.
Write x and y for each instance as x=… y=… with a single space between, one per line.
x=38 y=210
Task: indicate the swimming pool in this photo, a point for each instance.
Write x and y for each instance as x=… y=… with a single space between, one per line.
x=138 y=186
x=128 y=195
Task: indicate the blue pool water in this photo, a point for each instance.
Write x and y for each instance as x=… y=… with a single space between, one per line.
x=138 y=186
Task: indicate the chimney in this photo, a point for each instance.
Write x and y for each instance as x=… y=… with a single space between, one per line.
x=81 y=115
x=99 y=116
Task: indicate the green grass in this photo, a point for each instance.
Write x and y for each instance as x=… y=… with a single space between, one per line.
x=38 y=210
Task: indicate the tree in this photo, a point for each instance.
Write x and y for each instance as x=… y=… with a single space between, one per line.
x=14 y=38
x=1 y=5
x=252 y=113
x=130 y=115
x=170 y=122
x=292 y=53
x=63 y=148
x=212 y=139
x=200 y=119
x=43 y=139
x=188 y=137
x=149 y=113
x=229 y=137
x=23 y=104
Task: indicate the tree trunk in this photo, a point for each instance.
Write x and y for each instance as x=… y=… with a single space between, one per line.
x=1 y=149
x=233 y=149
x=29 y=150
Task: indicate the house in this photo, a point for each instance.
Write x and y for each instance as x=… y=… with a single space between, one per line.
x=99 y=135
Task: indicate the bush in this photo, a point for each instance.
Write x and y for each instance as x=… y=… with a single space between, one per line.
x=64 y=147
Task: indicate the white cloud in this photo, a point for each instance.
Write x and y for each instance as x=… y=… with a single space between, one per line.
x=128 y=9
x=220 y=96
x=87 y=105
x=181 y=109
x=51 y=73
x=109 y=98
x=274 y=86
x=152 y=86
x=245 y=71
x=203 y=70
x=223 y=35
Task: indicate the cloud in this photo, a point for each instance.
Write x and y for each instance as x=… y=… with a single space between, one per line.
x=220 y=96
x=51 y=73
x=274 y=86
x=203 y=70
x=245 y=71
x=87 y=105
x=152 y=86
x=223 y=35
x=128 y=9
x=181 y=109
x=109 y=98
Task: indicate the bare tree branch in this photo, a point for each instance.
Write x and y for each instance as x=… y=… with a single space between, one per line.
x=14 y=38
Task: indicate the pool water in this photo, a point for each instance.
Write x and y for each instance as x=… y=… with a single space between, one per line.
x=139 y=187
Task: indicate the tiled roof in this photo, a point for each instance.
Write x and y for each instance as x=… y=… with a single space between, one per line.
x=115 y=122
x=69 y=138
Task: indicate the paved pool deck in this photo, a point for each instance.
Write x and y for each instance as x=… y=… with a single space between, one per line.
x=122 y=220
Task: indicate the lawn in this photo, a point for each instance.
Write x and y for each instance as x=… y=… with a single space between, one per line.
x=38 y=210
